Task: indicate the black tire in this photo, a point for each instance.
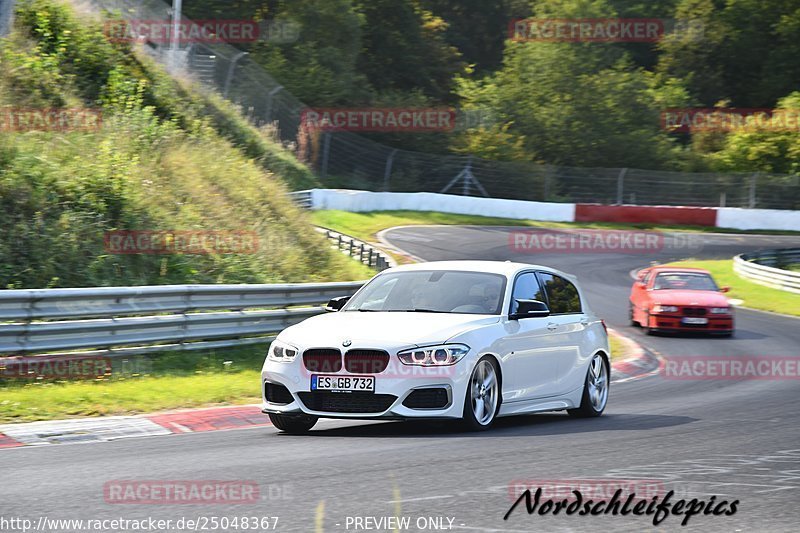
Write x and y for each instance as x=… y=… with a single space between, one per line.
x=293 y=424
x=630 y=315
x=587 y=409
x=469 y=420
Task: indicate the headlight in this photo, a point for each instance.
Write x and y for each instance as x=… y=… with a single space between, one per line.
x=720 y=310
x=665 y=309
x=281 y=352
x=440 y=355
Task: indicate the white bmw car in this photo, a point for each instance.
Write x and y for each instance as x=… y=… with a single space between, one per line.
x=470 y=340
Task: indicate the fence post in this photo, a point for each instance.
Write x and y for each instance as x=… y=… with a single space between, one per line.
x=270 y=98
x=621 y=186
x=326 y=149
x=231 y=68
x=752 y=195
x=388 y=170
x=722 y=197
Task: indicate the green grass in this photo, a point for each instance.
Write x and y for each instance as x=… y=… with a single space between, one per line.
x=142 y=384
x=618 y=347
x=51 y=401
x=366 y=225
x=754 y=296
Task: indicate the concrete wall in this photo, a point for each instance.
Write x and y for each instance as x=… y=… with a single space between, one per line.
x=738 y=218
x=360 y=201
x=722 y=217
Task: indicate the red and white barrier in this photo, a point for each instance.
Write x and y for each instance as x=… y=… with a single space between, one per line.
x=720 y=217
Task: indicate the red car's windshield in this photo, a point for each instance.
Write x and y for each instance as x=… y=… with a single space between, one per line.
x=685 y=281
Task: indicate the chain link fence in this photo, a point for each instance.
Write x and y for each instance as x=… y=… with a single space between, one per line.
x=346 y=159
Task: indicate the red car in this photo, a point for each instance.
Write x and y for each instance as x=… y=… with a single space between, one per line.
x=680 y=299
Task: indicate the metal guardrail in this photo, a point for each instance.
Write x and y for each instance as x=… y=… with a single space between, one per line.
x=364 y=252
x=44 y=320
x=302 y=199
x=763 y=267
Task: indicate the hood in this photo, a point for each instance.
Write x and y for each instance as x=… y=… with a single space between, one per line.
x=381 y=329
x=698 y=298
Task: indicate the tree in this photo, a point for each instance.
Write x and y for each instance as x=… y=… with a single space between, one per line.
x=403 y=49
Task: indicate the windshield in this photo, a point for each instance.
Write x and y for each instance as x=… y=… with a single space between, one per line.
x=685 y=281
x=432 y=291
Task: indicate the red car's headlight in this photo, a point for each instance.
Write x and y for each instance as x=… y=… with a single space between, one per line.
x=665 y=309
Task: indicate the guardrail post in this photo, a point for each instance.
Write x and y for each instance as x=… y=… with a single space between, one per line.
x=361 y=253
x=339 y=242
x=752 y=194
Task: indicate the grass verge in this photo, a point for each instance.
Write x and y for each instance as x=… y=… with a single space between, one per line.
x=142 y=385
x=753 y=295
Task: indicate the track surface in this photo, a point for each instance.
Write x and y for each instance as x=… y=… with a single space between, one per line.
x=736 y=440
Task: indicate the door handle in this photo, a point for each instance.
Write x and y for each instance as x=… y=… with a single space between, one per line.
x=552 y=326
x=585 y=321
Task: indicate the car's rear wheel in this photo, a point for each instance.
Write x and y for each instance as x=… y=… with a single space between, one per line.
x=595 y=390
x=482 y=401
x=294 y=424
x=631 y=315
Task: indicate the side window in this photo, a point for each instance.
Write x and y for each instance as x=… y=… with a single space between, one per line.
x=526 y=287
x=562 y=295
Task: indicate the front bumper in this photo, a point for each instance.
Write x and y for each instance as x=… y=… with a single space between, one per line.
x=716 y=324
x=392 y=388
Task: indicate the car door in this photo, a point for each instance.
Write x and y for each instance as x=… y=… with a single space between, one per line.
x=571 y=324
x=530 y=348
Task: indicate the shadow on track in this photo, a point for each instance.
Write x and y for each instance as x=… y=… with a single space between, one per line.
x=515 y=426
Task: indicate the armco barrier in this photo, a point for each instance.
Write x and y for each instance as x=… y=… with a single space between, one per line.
x=362 y=251
x=760 y=267
x=43 y=320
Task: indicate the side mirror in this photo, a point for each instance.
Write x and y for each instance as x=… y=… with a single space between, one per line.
x=725 y=289
x=336 y=304
x=530 y=309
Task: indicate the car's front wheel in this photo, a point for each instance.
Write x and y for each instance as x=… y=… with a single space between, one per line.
x=294 y=424
x=482 y=401
x=595 y=390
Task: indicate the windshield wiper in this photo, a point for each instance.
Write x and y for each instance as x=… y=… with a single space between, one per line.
x=424 y=311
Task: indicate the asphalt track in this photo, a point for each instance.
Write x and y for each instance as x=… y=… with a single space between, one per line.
x=736 y=440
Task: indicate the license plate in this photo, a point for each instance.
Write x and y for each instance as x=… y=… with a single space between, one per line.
x=694 y=320
x=343 y=383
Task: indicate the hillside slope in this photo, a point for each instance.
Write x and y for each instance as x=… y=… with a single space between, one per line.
x=165 y=157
